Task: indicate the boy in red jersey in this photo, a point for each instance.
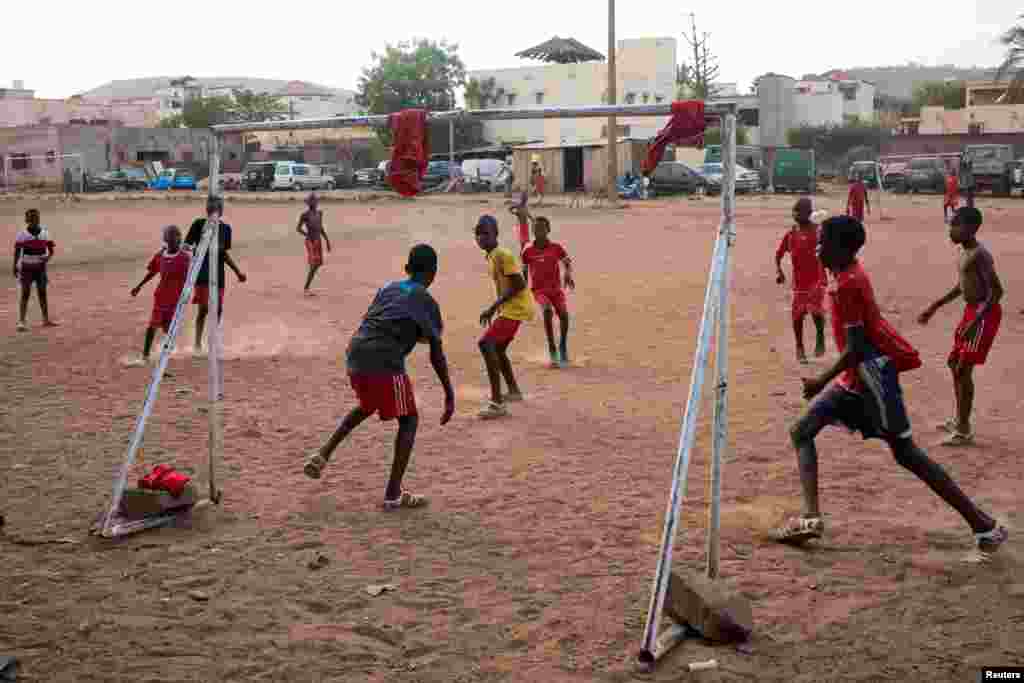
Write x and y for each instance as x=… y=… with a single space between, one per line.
x=867 y=396
x=951 y=200
x=801 y=243
x=982 y=291
x=857 y=199
x=542 y=258
x=171 y=263
x=33 y=249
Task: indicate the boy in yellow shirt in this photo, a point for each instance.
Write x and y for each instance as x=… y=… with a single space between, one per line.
x=513 y=307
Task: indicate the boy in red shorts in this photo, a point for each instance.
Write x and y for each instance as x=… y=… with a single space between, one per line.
x=171 y=263
x=513 y=307
x=982 y=291
x=316 y=237
x=951 y=199
x=543 y=258
x=214 y=205
x=801 y=243
x=33 y=249
x=857 y=199
x=402 y=314
x=866 y=396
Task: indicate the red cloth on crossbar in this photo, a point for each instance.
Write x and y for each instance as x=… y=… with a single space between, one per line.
x=685 y=127
x=411 y=149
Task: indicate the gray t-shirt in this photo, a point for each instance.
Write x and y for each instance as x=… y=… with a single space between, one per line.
x=401 y=314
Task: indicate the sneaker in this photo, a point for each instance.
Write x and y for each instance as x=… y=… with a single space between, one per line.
x=493 y=410
x=958 y=440
x=799 y=530
x=22 y=327
x=315 y=466
x=989 y=541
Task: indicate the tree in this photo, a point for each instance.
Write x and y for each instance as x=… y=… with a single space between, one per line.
x=713 y=136
x=480 y=94
x=948 y=94
x=833 y=144
x=251 y=106
x=700 y=74
x=1013 y=62
x=202 y=112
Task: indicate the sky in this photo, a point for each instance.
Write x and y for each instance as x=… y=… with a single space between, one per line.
x=328 y=42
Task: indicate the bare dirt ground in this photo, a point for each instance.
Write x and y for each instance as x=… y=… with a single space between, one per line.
x=534 y=559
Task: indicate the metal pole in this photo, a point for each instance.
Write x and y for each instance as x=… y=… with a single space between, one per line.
x=451 y=144
x=613 y=136
x=721 y=414
x=213 y=326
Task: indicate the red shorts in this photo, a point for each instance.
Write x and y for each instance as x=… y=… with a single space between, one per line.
x=501 y=332
x=951 y=202
x=201 y=295
x=315 y=252
x=162 y=316
x=538 y=184
x=975 y=351
x=389 y=396
x=524 y=234
x=810 y=302
x=553 y=298
x=857 y=212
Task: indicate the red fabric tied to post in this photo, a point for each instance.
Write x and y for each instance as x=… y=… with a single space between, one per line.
x=685 y=127
x=411 y=149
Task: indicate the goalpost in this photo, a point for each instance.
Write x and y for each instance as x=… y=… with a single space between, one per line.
x=9 y=169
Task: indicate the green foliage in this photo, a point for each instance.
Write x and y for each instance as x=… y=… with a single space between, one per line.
x=833 y=144
x=948 y=94
x=251 y=106
x=713 y=136
x=245 y=105
x=1013 y=62
x=422 y=74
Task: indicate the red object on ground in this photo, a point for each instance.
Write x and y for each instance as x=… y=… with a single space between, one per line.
x=164 y=478
x=685 y=127
x=411 y=149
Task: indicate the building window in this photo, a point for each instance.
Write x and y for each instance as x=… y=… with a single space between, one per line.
x=976 y=129
x=659 y=99
x=540 y=98
x=19 y=161
x=51 y=157
x=511 y=99
x=306 y=98
x=647 y=97
x=630 y=98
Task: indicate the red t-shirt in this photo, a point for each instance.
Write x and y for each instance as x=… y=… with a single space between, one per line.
x=853 y=305
x=855 y=200
x=545 y=274
x=173 y=269
x=802 y=246
x=952 y=190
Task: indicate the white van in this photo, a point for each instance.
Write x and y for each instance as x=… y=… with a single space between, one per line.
x=492 y=173
x=291 y=175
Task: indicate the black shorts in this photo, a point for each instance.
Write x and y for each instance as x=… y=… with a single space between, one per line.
x=36 y=275
x=877 y=412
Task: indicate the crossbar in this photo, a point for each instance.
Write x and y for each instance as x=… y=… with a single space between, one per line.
x=714 y=110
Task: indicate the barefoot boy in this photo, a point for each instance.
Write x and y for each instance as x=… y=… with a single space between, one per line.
x=313 y=220
x=402 y=314
x=982 y=291
x=542 y=259
x=867 y=396
x=171 y=263
x=857 y=199
x=513 y=307
x=214 y=206
x=801 y=243
x=33 y=249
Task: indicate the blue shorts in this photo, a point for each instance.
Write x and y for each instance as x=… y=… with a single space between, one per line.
x=878 y=412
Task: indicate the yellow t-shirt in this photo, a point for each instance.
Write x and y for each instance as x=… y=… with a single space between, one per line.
x=503 y=264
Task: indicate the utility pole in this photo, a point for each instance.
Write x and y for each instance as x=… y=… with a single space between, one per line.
x=613 y=137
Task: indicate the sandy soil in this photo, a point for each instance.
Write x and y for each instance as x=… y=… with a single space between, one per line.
x=534 y=560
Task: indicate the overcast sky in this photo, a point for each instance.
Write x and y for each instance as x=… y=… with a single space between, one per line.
x=66 y=47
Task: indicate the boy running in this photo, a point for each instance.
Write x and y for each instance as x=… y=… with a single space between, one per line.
x=543 y=258
x=867 y=396
x=513 y=307
x=402 y=314
x=801 y=243
x=171 y=263
x=313 y=220
x=857 y=199
x=982 y=291
x=951 y=200
x=33 y=249
x=201 y=297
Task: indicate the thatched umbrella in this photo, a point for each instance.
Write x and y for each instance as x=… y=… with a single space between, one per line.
x=562 y=51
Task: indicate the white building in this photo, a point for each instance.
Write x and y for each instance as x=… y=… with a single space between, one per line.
x=833 y=100
x=646 y=73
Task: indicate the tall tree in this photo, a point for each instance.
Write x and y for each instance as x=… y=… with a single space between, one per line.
x=420 y=74
x=1013 y=62
x=251 y=106
x=482 y=93
x=202 y=112
x=701 y=74
x=948 y=94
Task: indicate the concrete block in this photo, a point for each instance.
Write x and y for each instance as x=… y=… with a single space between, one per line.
x=720 y=614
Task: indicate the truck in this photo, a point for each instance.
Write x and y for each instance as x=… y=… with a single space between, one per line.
x=794 y=170
x=993 y=168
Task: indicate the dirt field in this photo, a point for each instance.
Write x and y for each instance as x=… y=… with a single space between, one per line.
x=534 y=560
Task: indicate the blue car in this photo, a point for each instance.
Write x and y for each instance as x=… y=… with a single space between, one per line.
x=172 y=179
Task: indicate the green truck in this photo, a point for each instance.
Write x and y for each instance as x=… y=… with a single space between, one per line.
x=794 y=170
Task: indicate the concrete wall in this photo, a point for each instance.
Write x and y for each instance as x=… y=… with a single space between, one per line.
x=948 y=144
x=817 y=108
x=863 y=104
x=994 y=118
x=37 y=141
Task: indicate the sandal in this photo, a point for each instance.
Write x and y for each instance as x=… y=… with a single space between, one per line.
x=799 y=530
x=315 y=466
x=989 y=541
x=405 y=500
x=957 y=440
x=493 y=410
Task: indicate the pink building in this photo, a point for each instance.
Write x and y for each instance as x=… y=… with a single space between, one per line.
x=20 y=107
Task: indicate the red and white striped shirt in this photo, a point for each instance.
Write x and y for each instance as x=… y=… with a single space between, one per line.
x=34 y=248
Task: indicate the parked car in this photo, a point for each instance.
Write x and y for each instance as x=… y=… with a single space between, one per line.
x=174 y=179
x=672 y=177
x=366 y=176
x=489 y=175
x=130 y=179
x=311 y=177
x=259 y=175
x=867 y=171
x=926 y=174
x=746 y=180
x=438 y=172
x=991 y=166
x=341 y=174
x=894 y=176
x=96 y=183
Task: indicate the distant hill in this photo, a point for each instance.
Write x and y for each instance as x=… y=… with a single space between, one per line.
x=899 y=81
x=147 y=87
